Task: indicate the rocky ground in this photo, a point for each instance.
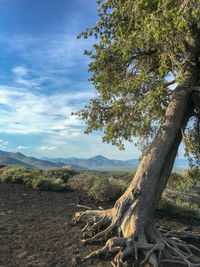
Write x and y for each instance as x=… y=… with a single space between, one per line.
x=36 y=228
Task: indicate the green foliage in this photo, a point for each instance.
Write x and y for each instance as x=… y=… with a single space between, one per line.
x=192 y=136
x=179 y=207
x=142 y=45
x=192 y=176
x=45 y=184
x=174 y=181
x=184 y=181
x=100 y=187
x=48 y=180
x=179 y=204
x=106 y=189
x=81 y=182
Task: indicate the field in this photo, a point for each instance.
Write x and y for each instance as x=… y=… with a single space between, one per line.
x=36 y=228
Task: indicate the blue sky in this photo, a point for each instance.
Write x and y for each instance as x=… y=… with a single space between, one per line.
x=44 y=77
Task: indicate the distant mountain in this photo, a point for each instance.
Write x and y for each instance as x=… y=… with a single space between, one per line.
x=27 y=161
x=96 y=163
x=100 y=162
x=60 y=160
x=12 y=161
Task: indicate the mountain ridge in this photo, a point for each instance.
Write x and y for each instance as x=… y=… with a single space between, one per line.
x=97 y=162
x=12 y=161
x=30 y=162
x=100 y=162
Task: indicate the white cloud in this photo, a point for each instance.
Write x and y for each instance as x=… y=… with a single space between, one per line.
x=22 y=77
x=3 y=144
x=26 y=82
x=22 y=147
x=33 y=111
x=20 y=71
x=48 y=148
x=28 y=112
x=57 y=53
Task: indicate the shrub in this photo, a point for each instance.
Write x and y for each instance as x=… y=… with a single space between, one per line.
x=11 y=174
x=45 y=184
x=192 y=176
x=81 y=182
x=51 y=180
x=184 y=181
x=63 y=174
x=177 y=206
x=99 y=187
x=175 y=181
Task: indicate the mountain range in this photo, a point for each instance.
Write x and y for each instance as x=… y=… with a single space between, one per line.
x=102 y=163
x=19 y=159
x=98 y=162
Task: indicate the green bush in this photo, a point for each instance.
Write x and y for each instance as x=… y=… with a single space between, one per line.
x=81 y=182
x=50 y=180
x=99 y=187
x=179 y=208
x=175 y=205
x=11 y=174
x=175 y=182
x=45 y=184
x=184 y=181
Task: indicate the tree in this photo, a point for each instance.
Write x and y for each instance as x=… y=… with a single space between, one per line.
x=145 y=47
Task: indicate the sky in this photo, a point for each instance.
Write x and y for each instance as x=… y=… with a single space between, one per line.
x=44 y=78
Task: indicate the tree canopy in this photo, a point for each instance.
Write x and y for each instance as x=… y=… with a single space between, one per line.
x=144 y=48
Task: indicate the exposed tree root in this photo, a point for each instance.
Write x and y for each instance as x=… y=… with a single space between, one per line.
x=154 y=246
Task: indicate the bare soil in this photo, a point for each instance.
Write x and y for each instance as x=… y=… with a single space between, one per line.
x=36 y=228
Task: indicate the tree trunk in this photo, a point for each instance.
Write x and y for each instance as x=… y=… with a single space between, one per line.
x=132 y=214
x=154 y=170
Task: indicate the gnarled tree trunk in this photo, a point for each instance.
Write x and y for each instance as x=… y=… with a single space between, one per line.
x=132 y=214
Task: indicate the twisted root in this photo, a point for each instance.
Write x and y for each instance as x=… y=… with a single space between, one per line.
x=161 y=245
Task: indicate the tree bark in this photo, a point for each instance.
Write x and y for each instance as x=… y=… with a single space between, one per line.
x=132 y=214
x=155 y=167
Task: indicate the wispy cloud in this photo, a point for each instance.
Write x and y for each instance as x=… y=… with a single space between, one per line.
x=20 y=71
x=61 y=51
x=40 y=98
x=22 y=147
x=50 y=148
x=27 y=112
x=3 y=144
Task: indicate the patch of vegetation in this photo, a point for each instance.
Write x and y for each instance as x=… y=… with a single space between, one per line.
x=101 y=187
x=184 y=181
x=179 y=207
x=46 y=180
x=178 y=204
x=109 y=186
x=104 y=187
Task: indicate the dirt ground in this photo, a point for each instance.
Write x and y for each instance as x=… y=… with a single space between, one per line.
x=36 y=228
